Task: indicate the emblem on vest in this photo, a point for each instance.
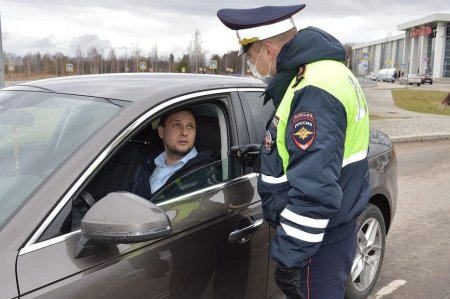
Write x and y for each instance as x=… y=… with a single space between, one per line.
x=303 y=128
x=268 y=141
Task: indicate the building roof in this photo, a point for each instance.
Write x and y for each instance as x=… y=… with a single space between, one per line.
x=434 y=18
x=379 y=41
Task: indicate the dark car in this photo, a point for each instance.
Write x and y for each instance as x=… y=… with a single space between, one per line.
x=68 y=147
x=426 y=78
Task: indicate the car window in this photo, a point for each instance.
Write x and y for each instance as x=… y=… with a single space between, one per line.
x=38 y=131
x=125 y=167
x=206 y=176
x=259 y=113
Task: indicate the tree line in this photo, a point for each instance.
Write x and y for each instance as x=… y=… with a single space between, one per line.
x=95 y=61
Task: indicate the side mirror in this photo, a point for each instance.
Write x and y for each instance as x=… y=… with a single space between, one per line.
x=121 y=217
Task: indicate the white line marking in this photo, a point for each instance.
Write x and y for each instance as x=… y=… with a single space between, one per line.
x=390 y=288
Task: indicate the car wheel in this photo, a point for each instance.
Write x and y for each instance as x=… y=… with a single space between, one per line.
x=369 y=255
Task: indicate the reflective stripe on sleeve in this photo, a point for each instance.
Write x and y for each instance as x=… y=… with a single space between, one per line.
x=354 y=158
x=305 y=221
x=273 y=180
x=301 y=235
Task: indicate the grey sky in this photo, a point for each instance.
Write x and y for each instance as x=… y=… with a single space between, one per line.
x=61 y=25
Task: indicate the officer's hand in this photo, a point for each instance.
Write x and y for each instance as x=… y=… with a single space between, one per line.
x=288 y=280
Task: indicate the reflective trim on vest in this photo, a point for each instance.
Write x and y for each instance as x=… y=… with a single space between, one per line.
x=321 y=74
x=273 y=180
x=301 y=235
x=354 y=158
x=305 y=221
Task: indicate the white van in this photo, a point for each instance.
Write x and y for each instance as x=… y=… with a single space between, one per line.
x=387 y=75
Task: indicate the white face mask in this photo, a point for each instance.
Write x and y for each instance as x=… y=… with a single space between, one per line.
x=267 y=78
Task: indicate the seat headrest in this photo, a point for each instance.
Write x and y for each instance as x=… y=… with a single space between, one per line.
x=208 y=135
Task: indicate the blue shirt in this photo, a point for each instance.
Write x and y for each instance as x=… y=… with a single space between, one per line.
x=163 y=171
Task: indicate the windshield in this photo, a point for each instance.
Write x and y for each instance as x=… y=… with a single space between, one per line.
x=38 y=131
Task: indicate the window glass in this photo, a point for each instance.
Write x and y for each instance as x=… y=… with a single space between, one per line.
x=260 y=114
x=37 y=132
x=206 y=176
x=130 y=168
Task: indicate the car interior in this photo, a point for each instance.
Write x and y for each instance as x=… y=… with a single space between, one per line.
x=119 y=168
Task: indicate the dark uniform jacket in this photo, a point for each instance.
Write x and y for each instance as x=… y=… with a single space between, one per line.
x=140 y=183
x=319 y=202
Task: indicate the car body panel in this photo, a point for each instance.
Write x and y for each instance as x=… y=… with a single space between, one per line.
x=201 y=221
x=168 y=261
x=426 y=78
x=410 y=79
x=387 y=75
x=8 y=283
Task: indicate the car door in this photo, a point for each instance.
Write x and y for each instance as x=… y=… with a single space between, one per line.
x=257 y=116
x=217 y=249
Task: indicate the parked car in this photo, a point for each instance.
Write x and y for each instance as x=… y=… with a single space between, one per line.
x=371 y=76
x=67 y=230
x=410 y=79
x=426 y=78
x=388 y=75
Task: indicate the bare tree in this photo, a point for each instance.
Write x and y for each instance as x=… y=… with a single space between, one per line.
x=58 y=58
x=135 y=57
x=154 y=58
x=171 y=60
x=79 y=59
x=197 y=56
x=232 y=62
x=112 y=59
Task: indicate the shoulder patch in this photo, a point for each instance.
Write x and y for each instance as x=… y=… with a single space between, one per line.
x=268 y=141
x=303 y=128
x=274 y=122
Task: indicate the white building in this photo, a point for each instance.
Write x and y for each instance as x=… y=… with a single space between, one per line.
x=423 y=48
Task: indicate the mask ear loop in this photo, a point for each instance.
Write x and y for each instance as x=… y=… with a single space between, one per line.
x=270 y=66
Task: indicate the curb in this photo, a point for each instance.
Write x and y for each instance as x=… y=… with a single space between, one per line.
x=412 y=138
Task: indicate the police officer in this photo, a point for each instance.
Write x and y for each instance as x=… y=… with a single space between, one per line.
x=314 y=169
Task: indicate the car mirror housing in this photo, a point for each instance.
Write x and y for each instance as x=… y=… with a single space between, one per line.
x=118 y=218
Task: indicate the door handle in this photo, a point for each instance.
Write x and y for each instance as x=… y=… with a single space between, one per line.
x=242 y=235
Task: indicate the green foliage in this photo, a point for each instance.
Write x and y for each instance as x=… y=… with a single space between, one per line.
x=423 y=101
x=184 y=63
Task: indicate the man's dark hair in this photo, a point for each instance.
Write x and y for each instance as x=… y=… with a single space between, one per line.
x=163 y=119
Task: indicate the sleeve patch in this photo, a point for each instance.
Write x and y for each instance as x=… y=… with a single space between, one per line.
x=274 y=122
x=303 y=128
x=268 y=141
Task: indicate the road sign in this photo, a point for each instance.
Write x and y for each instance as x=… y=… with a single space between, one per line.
x=69 y=67
x=213 y=64
x=365 y=55
x=142 y=65
x=11 y=67
x=365 y=65
x=388 y=62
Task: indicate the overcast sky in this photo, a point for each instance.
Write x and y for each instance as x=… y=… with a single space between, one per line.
x=63 y=26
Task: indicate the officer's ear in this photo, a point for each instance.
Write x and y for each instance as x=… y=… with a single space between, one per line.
x=272 y=49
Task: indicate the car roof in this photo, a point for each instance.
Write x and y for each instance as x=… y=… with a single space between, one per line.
x=136 y=86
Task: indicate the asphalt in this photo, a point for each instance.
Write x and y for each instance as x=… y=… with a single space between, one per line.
x=402 y=125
